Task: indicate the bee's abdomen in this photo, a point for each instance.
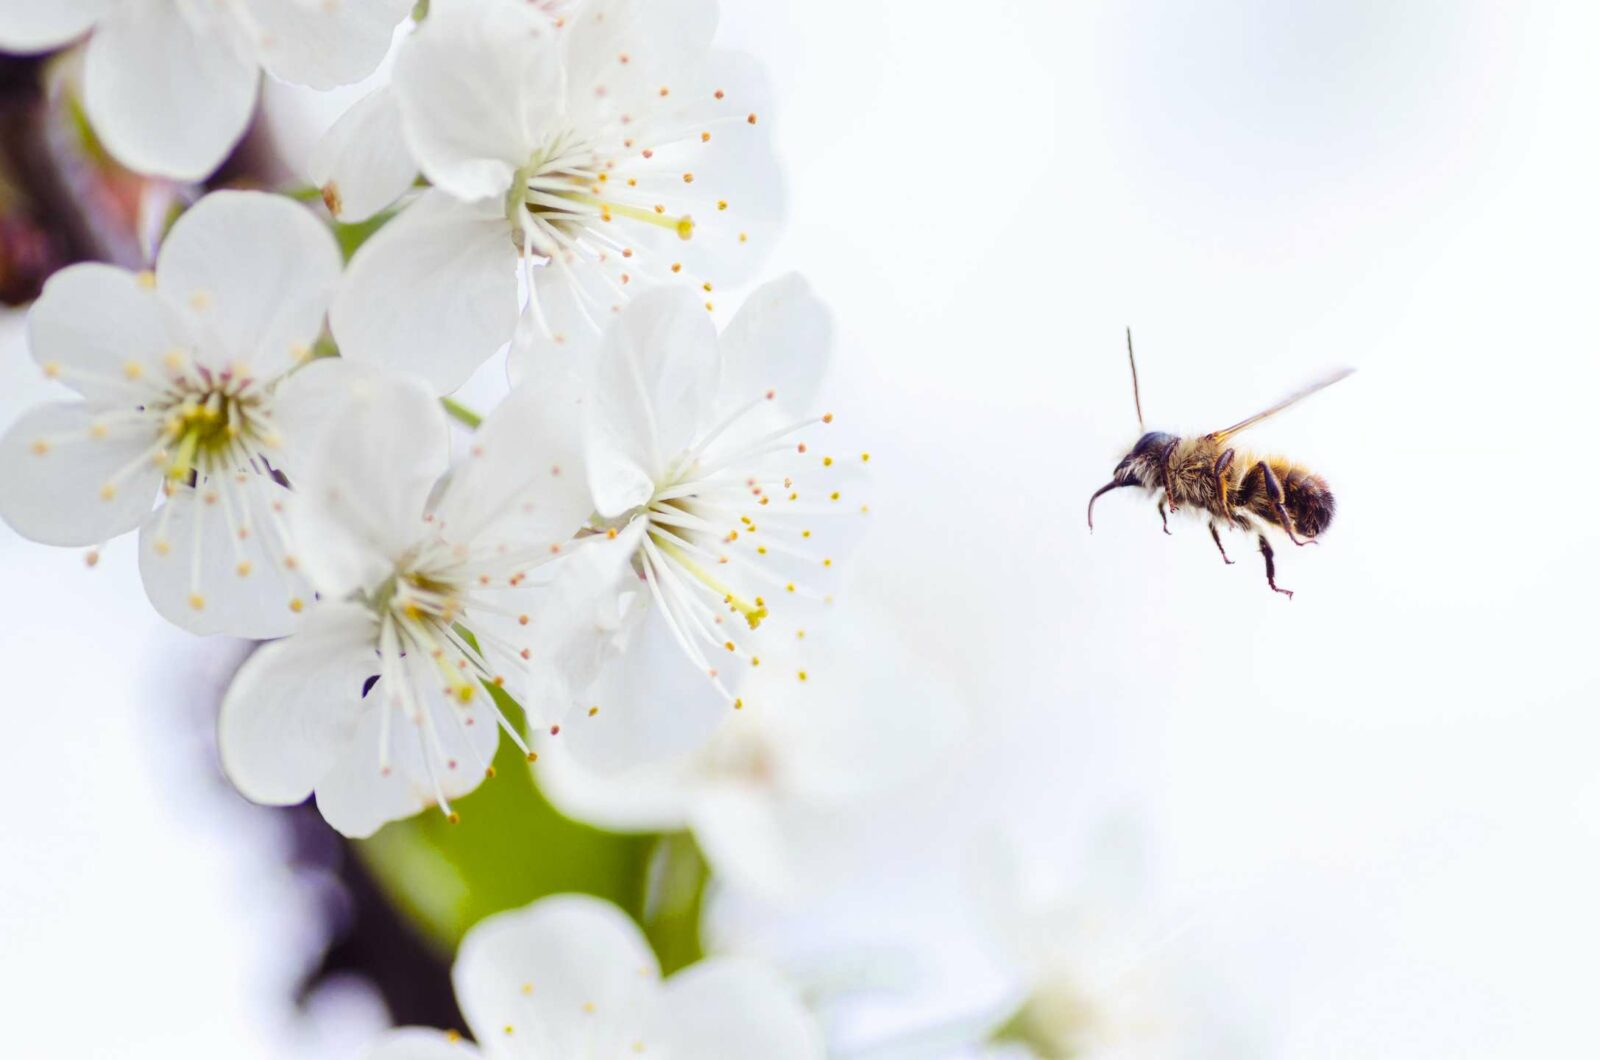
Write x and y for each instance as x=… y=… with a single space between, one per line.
x=1307 y=498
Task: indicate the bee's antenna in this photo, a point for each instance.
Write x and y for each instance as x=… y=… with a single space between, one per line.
x=1134 y=368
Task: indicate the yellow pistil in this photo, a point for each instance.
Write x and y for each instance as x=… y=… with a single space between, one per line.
x=753 y=612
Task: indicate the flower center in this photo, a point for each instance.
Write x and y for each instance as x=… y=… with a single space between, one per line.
x=211 y=424
x=559 y=200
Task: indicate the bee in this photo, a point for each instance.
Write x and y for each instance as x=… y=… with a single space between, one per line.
x=1232 y=487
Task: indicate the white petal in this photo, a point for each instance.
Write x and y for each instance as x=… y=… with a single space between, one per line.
x=749 y=840
x=166 y=95
x=655 y=391
x=652 y=798
x=308 y=402
x=498 y=64
x=780 y=340
x=416 y=1043
x=253 y=274
x=362 y=163
x=360 y=501
x=577 y=622
x=728 y=1008
x=655 y=704
x=324 y=45
x=202 y=575
x=434 y=293
x=562 y=973
x=357 y=797
x=101 y=321
x=59 y=480
x=291 y=710
x=523 y=483
x=665 y=41
x=38 y=25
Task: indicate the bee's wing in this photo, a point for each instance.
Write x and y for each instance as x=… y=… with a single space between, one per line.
x=1297 y=396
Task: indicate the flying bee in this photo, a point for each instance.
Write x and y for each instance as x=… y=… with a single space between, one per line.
x=1234 y=488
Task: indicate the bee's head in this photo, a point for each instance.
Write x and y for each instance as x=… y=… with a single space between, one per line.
x=1141 y=467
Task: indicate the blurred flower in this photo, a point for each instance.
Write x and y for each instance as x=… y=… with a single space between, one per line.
x=608 y=147
x=169 y=85
x=184 y=375
x=1083 y=959
x=712 y=516
x=782 y=798
x=420 y=585
x=572 y=976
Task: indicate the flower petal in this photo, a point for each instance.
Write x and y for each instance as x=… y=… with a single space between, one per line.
x=325 y=45
x=523 y=484
x=166 y=94
x=292 y=707
x=211 y=562
x=578 y=620
x=654 y=704
x=499 y=63
x=68 y=479
x=780 y=340
x=652 y=798
x=666 y=42
x=730 y=1008
x=361 y=794
x=101 y=331
x=418 y=1043
x=362 y=163
x=433 y=293
x=557 y=976
x=253 y=274
x=655 y=391
x=309 y=401
x=359 y=504
x=28 y=26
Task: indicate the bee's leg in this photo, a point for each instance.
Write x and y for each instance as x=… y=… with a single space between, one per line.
x=1218 y=539
x=1274 y=490
x=1166 y=473
x=1161 y=510
x=1220 y=471
x=1272 y=570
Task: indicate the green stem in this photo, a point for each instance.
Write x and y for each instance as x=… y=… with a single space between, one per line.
x=461 y=413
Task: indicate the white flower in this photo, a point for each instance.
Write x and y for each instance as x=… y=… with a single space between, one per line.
x=605 y=149
x=1085 y=962
x=782 y=799
x=169 y=85
x=184 y=374
x=721 y=527
x=571 y=976
x=421 y=587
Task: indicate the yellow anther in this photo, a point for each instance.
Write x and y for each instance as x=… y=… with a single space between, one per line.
x=132 y=369
x=686 y=228
x=39 y=447
x=722 y=204
x=52 y=369
x=705 y=137
x=197 y=601
x=827 y=461
x=108 y=491
x=243 y=569
x=297 y=605
x=146 y=279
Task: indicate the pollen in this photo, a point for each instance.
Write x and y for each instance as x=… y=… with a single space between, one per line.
x=163 y=546
x=593 y=711
x=738 y=704
x=827 y=461
x=719 y=94
x=108 y=492
x=804 y=676
x=52 y=369
x=243 y=569
x=751 y=119
x=39 y=447
x=685 y=227
x=465 y=692
x=297 y=605
x=677 y=266
x=705 y=137
x=146 y=279
x=197 y=601
x=200 y=301
x=132 y=369
x=865 y=457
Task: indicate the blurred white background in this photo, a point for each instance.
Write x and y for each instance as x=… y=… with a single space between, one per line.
x=1373 y=810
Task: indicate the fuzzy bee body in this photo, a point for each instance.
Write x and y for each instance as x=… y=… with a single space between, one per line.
x=1232 y=487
